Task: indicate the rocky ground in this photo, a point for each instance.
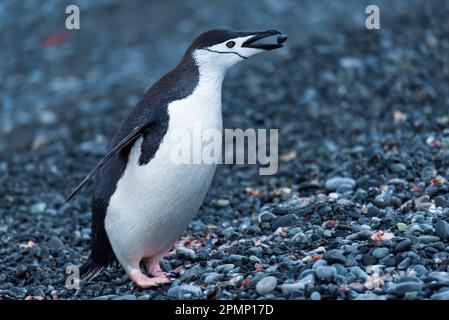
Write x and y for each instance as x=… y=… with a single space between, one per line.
x=358 y=210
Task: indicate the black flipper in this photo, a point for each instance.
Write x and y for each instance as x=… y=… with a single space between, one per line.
x=130 y=138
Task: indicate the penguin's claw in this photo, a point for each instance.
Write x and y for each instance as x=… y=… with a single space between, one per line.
x=146 y=282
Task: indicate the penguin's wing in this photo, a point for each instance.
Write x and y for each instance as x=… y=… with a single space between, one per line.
x=130 y=138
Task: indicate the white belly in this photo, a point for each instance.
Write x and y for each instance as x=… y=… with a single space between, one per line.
x=154 y=203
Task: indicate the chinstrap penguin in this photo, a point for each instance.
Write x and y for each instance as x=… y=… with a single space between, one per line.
x=142 y=201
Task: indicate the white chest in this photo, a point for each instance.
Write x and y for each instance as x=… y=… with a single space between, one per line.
x=154 y=203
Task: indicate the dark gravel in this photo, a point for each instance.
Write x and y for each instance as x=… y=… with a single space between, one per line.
x=358 y=210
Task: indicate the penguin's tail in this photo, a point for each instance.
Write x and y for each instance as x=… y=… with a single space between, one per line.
x=90 y=270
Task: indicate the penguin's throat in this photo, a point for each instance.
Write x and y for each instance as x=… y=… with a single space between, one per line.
x=212 y=74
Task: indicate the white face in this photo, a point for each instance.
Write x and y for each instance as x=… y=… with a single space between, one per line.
x=221 y=56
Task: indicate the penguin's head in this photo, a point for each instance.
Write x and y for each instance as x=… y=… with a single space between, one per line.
x=220 y=49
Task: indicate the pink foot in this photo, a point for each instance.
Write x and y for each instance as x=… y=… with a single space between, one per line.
x=152 y=266
x=146 y=282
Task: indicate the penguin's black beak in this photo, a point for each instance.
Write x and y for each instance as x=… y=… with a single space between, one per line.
x=266 y=40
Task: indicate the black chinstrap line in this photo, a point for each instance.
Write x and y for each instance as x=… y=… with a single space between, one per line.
x=226 y=52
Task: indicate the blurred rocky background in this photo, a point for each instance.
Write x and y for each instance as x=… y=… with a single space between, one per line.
x=359 y=207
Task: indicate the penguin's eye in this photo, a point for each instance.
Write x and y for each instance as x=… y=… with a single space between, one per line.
x=230 y=44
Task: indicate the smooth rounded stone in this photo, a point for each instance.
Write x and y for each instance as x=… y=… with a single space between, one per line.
x=315 y=296
x=272 y=269
x=285 y=221
x=294 y=231
x=298 y=237
x=306 y=273
x=254 y=229
x=326 y=273
x=428 y=239
x=398 y=168
x=439 y=276
x=379 y=253
x=299 y=286
x=414 y=256
x=401 y=226
x=38 y=208
x=368 y=260
x=440 y=201
x=338 y=182
x=420 y=270
x=413 y=230
x=357 y=287
x=404 y=264
x=212 y=278
x=266 y=285
x=360 y=195
x=440 y=296
x=404 y=245
x=184 y=291
x=237 y=258
x=225 y=268
x=334 y=256
x=223 y=203
x=359 y=273
x=442 y=230
x=192 y=274
x=397 y=181
x=400 y=289
x=361 y=235
x=373 y=211
x=288 y=288
x=228 y=232
x=266 y=216
x=319 y=263
x=384 y=243
x=428 y=172
x=184 y=252
x=55 y=244
x=341 y=270
x=256 y=251
x=308 y=280
x=383 y=199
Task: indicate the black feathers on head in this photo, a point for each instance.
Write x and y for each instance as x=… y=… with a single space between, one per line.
x=212 y=37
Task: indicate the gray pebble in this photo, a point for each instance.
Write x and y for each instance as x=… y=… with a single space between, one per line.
x=428 y=239
x=325 y=273
x=359 y=273
x=55 y=244
x=337 y=182
x=379 y=253
x=334 y=256
x=404 y=245
x=266 y=285
x=402 y=288
x=38 y=208
x=184 y=252
x=442 y=230
x=184 y=292
x=315 y=296
x=440 y=296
